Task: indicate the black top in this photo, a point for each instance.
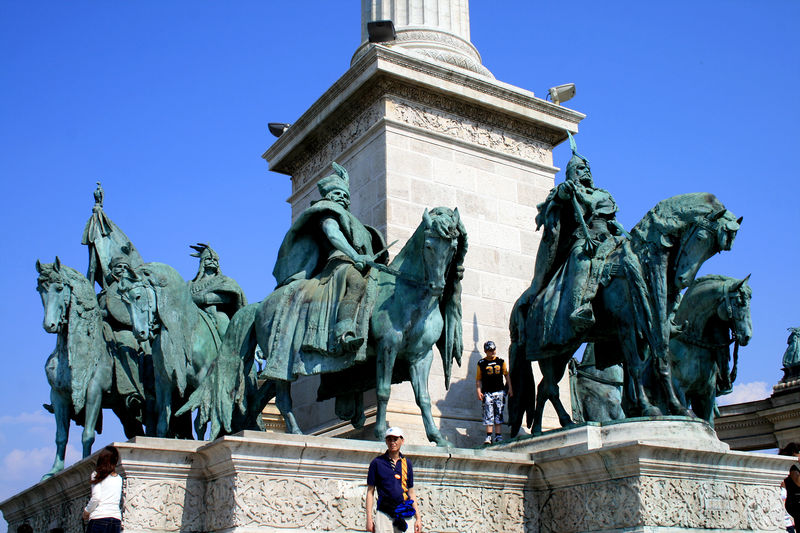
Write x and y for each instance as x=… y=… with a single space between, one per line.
x=490 y=374
x=792 y=498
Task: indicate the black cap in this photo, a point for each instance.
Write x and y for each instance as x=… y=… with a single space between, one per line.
x=488 y=345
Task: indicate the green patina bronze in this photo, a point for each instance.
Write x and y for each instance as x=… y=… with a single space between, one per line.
x=184 y=343
x=594 y=283
x=714 y=314
x=217 y=295
x=335 y=292
x=791 y=357
x=80 y=369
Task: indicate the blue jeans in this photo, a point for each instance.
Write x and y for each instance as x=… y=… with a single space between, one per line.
x=104 y=525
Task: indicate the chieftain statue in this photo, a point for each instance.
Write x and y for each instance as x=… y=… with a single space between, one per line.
x=340 y=311
x=317 y=318
x=595 y=283
x=217 y=295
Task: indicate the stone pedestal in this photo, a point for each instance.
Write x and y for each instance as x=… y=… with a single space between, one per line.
x=667 y=475
x=415 y=132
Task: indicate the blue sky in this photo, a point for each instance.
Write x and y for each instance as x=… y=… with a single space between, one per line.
x=167 y=104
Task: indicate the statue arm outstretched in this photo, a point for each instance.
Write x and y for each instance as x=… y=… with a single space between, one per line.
x=337 y=239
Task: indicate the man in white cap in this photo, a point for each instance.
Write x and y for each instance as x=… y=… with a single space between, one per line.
x=393 y=476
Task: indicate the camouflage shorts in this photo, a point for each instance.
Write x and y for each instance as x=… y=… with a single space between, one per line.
x=493 y=403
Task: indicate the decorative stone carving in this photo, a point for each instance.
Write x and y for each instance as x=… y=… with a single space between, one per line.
x=467 y=130
x=164 y=504
x=439 y=30
x=449 y=508
x=310 y=503
x=590 y=507
x=708 y=504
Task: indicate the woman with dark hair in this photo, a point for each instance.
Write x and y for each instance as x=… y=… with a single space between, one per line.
x=103 y=510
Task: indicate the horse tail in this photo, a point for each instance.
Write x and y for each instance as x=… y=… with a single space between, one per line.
x=225 y=386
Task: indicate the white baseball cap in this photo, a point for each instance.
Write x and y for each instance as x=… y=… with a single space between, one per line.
x=394 y=432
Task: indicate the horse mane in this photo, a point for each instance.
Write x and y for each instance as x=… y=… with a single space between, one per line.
x=447 y=223
x=84 y=338
x=669 y=217
x=177 y=313
x=699 y=290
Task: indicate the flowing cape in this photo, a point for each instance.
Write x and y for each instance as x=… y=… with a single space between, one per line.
x=295 y=323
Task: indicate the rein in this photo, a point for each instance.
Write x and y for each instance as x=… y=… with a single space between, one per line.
x=604 y=381
x=697 y=341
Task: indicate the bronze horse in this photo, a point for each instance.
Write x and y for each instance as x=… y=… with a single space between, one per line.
x=80 y=369
x=418 y=304
x=639 y=286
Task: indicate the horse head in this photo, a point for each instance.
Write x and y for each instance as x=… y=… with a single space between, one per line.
x=441 y=231
x=141 y=299
x=56 y=292
x=734 y=309
x=691 y=227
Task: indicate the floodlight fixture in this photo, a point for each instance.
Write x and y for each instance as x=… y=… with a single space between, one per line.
x=561 y=93
x=381 y=31
x=278 y=128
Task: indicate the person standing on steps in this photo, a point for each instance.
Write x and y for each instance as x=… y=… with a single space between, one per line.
x=491 y=373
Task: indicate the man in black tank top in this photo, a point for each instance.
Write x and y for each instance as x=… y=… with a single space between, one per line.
x=491 y=373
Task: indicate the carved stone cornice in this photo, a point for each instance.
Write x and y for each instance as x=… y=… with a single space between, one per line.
x=382 y=72
x=762 y=424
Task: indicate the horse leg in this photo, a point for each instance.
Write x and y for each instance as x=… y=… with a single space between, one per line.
x=636 y=397
x=420 y=370
x=664 y=371
x=552 y=370
x=560 y=366
x=283 y=399
x=101 y=380
x=61 y=409
x=383 y=385
x=163 y=406
x=703 y=406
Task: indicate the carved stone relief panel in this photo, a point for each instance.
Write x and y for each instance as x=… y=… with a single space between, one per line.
x=590 y=507
x=313 y=504
x=469 y=130
x=455 y=508
x=164 y=505
x=65 y=514
x=702 y=504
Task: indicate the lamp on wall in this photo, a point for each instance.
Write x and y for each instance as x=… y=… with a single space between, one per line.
x=381 y=31
x=561 y=93
x=278 y=128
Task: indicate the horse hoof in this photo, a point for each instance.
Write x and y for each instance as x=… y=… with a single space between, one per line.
x=682 y=411
x=359 y=420
x=441 y=441
x=651 y=410
x=536 y=431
